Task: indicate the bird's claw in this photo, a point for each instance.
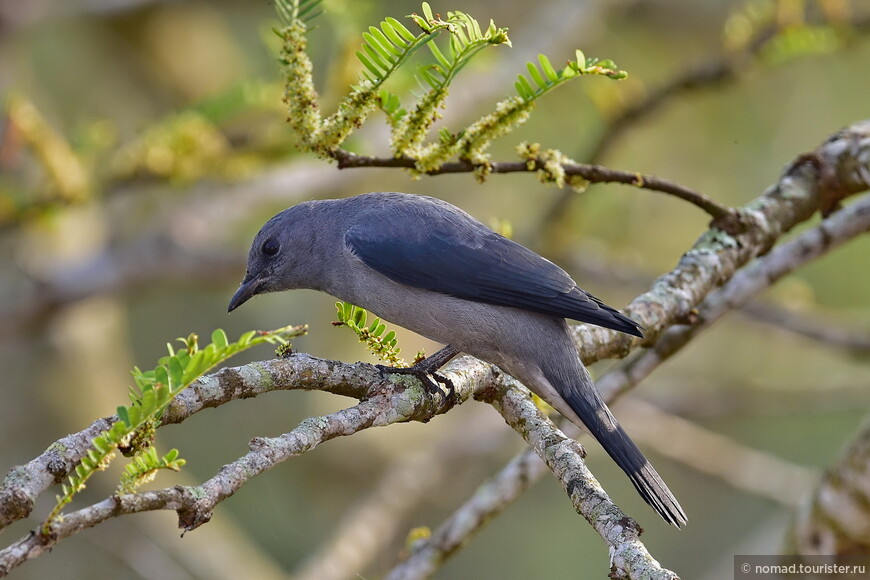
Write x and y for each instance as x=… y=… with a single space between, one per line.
x=425 y=375
x=427 y=369
x=451 y=388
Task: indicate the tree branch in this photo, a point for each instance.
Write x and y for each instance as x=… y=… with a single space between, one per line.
x=25 y=483
x=384 y=402
x=838 y=168
x=564 y=457
x=591 y=173
x=629 y=558
x=781 y=261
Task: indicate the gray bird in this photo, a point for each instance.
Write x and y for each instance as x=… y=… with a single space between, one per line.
x=428 y=266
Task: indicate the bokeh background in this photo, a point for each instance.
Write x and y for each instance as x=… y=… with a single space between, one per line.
x=159 y=124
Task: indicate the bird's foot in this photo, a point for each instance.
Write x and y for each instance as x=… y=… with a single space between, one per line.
x=426 y=377
x=426 y=370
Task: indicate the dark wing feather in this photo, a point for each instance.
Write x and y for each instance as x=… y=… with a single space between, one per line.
x=429 y=244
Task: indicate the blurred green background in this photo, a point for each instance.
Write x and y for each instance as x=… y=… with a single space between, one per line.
x=174 y=150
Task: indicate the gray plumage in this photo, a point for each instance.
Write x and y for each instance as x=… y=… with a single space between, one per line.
x=428 y=266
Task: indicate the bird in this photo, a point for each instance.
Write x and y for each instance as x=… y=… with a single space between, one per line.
x=430 y=267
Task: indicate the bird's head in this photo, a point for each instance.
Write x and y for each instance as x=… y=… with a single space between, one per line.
x=282 y=256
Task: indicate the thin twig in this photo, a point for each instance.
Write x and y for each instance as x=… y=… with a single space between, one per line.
x=591 y=173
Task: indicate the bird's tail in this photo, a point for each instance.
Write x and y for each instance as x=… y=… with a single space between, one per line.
x=584 y=399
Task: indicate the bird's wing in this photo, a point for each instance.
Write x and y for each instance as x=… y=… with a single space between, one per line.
x=437 y=247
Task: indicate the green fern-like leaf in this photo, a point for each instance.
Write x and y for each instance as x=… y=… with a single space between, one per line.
x=387 y=47
x=154 y=391
x=471 y=144
x=545 y=78
x=391 y=106
x=466 y=41
x=384 y=50
x=144 y=467
x=380 y=342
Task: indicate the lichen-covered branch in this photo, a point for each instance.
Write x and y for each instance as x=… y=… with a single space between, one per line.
x=564 y=456
x=384 y=401
x=831 y=233
x=25 y=483
x=837 y=169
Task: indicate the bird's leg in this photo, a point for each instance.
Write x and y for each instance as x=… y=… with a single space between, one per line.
x=429 y=367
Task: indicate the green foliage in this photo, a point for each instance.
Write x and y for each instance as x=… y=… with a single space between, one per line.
x=391 y=106
x=144 y=466
x=466 y=41
x=546 y=78
x=380 y=342
x=386 y=48
x=154 y=390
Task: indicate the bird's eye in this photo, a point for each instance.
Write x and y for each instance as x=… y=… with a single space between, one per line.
x=270 y=247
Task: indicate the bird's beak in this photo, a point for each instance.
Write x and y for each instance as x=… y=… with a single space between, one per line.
x=246 y=291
